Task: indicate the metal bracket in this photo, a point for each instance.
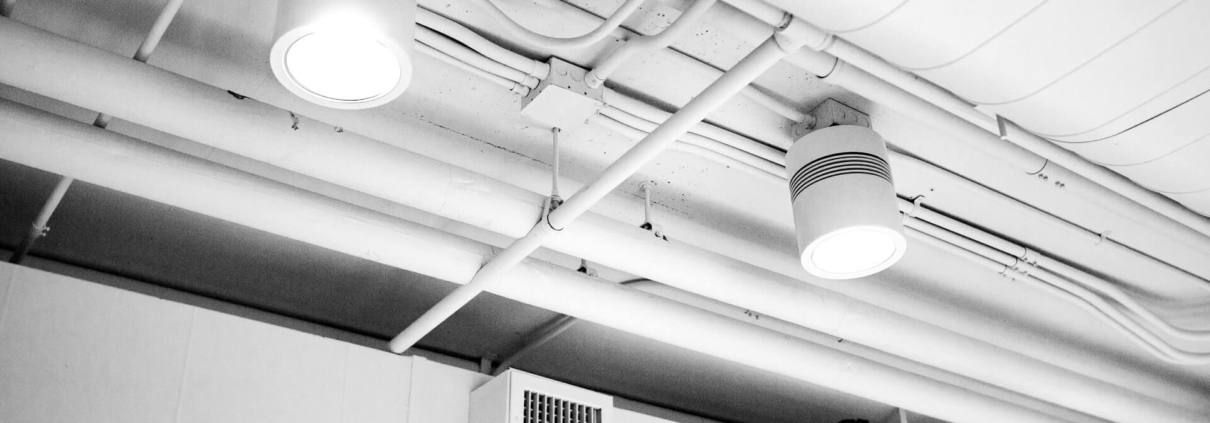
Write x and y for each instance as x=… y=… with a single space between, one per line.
x=647 y=223
x=831 y=113
x=585 y=269
x=549 y=205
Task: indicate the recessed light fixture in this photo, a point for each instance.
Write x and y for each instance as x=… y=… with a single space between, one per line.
x=846 y=216
x=347 y=54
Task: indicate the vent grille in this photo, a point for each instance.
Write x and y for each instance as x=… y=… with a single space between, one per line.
x=838 y=164
x=541 y=408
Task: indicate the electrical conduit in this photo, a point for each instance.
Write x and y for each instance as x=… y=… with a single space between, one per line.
x=752 y=66
x=68 y=71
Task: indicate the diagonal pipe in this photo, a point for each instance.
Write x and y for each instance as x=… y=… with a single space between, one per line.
x=765 y=56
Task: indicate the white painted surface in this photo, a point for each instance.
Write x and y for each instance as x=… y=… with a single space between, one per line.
x=76 y=351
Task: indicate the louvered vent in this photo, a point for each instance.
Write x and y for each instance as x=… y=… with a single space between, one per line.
x=519 y=397
x=542 y=408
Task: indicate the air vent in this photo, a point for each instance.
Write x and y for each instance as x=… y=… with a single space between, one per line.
x=519 y=397
x=832 y=165
x=542 y=408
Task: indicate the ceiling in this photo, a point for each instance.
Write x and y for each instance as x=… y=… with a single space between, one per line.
x=224 y=43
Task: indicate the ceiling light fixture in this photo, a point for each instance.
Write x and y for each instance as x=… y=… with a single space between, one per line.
x=846 y=216
x=348 y=54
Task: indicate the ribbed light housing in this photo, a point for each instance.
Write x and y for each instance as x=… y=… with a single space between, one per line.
x=846 y=216
x=347 y=54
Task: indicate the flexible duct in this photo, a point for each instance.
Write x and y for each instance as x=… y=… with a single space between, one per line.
x=57 y=144
x=70 y=71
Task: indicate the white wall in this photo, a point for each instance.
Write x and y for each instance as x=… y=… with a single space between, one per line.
x=77 y=351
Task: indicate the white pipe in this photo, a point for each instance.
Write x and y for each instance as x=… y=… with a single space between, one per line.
x=476 y=42
x=859 y=350
x=742 y=74
x=92 y=78
x=440 y=55
x=619 y=56
x=464 y=54
x=1116 y=319
x=631 y=132
x=760 y=97
x=39 y=229
x=1080 y=301
x=775 y=154
x=911 y=104
x=599 y=33
x=727 y=154
x=1060 y=156
x=53 y=143
x=156 y=33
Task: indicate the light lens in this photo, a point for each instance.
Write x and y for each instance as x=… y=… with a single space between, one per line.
x=342 y=66
x=853 y=251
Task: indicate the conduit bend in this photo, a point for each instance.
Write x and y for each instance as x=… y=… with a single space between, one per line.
x=614 y=60
x=69 y=71
x=551 y=43
x=57 y=144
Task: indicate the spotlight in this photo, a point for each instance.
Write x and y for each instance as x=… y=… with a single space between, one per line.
x=348 y=54
x=846 y=216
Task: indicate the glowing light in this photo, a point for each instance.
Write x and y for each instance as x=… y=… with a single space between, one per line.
x=342 y=66
x=854 y=251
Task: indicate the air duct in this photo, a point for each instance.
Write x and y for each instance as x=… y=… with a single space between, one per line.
x=845 y=213
x=351 y=54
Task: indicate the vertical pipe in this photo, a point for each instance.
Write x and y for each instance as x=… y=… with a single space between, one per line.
x=39 y=228
x=554 y=178
x=727 y=86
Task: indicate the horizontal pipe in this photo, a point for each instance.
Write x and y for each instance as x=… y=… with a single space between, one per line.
x=634 y=159
x=481 y=45
x=464 y=54
x=621 y=128
x=859 y=350
x=442 y=56
x=57 y=144
x=928 y=104
x=68 y=72
x=775 y=154
x=734 y=155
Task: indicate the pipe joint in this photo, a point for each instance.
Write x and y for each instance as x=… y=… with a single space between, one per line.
x=795 y=33
x=553 y=202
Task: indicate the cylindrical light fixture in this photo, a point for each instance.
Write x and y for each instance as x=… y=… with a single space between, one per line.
x=846 y=216
x=347 y=54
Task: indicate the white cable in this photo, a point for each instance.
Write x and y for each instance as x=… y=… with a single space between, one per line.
x=475 y=42
x=554 y=43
